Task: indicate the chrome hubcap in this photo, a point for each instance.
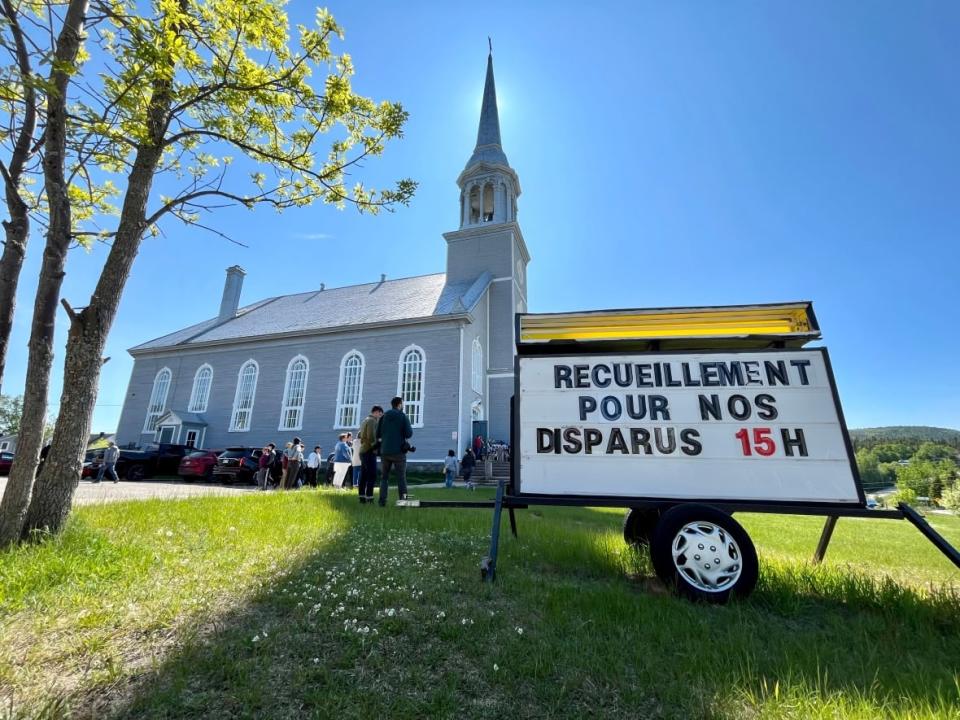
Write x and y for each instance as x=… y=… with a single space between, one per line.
x=707 y=556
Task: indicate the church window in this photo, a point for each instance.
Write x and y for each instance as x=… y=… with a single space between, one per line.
x=201 y=389
x=474 y=205
x=158 y=399
x=412 y=364
x=243 y=401
x=477 y=367
x=294 y=394
x=488 y=202
x=351 y=388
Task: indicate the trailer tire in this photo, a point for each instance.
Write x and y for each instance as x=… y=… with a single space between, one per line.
x=639 y=524
x=729 y=560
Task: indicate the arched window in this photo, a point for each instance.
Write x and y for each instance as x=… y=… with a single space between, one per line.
x=201 y=389
x=158 y=399
x=488 y=202
x=294 y=393
x=410 y=383
x=242 y=414
x=474 y=205
x=477 y=367
x=351 y=389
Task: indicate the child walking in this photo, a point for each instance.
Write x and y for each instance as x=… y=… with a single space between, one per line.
x=467 y=465
x=450 y=468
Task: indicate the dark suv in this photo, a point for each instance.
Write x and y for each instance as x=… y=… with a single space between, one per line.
x=145 y=462
x=237 y=464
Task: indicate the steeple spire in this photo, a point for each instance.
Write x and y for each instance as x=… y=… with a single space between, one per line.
x=488 y=147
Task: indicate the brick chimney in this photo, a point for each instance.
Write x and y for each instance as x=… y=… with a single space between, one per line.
x=231 y=293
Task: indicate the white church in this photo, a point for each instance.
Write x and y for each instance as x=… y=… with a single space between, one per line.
x=291 y=365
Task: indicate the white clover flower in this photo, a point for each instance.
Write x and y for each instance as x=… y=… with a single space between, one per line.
x=169 y=533
x=441 y=615
x=496 y=668
x=316 y=660
x=256 y=638
x=232 y=529
x=519 y=631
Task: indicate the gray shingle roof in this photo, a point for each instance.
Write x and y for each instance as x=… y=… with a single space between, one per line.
x=423 y=297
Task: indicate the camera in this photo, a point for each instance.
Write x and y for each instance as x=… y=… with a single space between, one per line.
x=406 y=447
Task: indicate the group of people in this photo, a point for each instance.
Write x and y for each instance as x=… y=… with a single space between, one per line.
x=386 y=434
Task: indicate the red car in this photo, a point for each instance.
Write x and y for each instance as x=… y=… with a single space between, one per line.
x=198 y=464
x=6 y=460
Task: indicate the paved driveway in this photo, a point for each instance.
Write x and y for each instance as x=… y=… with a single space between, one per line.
x=107 y=491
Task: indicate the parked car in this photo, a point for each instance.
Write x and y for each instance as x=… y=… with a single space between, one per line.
x=153 y=459
x=237 y=464
x=198 y=464
x=6 y=460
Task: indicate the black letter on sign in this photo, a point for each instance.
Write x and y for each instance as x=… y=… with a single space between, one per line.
x=776 y=372
x=766 y=408
x=572 y=444
x=592 y=437
x=640 y=438
x=798 y=442
x=544 y=440
x=739 y=407
x=610 y=408
x=658 y=406
x=561 y=376
x=801 y=366
x=597 y=369
x=587 y=405
x=616 y=443
x=581 y=376
x=692 y=446
x=670 y=445
x=710 y=407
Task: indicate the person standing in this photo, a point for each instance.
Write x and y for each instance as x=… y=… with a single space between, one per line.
x=450 y=468
x=393 y=431
x=294 y=458
x=109 y=467
x=355 y=457
x=264 y=464
x=478 y=447
x=367 y=437
x=342 y=461
x=313 y=466
x=467 y=465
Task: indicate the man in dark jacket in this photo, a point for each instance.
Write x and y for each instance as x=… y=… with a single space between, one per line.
x=368 y=453
x=393 y=430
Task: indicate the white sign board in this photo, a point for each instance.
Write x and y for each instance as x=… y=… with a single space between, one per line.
x=756 y=426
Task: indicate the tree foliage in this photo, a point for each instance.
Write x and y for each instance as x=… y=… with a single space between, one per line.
x=11 y=407
x=194 y=105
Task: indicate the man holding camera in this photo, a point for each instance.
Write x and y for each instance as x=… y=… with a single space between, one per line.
x=393 y=431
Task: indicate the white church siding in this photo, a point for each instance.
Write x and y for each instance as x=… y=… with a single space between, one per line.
x=381 y=350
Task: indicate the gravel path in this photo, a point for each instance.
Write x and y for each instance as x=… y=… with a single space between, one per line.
x=107 y=491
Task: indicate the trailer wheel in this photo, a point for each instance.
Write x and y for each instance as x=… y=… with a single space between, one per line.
x=639 y=524
x=704 y=554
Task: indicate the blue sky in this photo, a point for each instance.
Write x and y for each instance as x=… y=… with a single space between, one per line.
x=670 y=153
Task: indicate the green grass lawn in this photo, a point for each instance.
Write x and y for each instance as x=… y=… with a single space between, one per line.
x=307 y=604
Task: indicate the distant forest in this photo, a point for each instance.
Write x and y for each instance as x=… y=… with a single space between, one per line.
x=912 y=435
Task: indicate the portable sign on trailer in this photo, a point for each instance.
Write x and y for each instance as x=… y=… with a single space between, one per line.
x=683 y=416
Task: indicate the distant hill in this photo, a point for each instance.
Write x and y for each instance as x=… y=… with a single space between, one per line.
x=900 y=433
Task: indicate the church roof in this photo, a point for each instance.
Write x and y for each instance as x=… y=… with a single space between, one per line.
x=488 y=149
x=427 y=297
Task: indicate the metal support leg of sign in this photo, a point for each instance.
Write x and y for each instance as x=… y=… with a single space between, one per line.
x=488 y=566
x=513 y=520
x=932 y=535
x=825 y=536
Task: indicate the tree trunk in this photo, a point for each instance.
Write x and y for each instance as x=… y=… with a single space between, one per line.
x=88 y=334
x=16 y=497
x=17 y=231
x=17 y=228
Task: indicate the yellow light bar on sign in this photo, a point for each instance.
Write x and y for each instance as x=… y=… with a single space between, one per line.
x=787 y=320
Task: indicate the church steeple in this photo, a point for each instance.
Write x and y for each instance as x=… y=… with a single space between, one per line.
x=489 y=186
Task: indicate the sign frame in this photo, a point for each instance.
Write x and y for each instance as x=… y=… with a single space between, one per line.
x=586 y=498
